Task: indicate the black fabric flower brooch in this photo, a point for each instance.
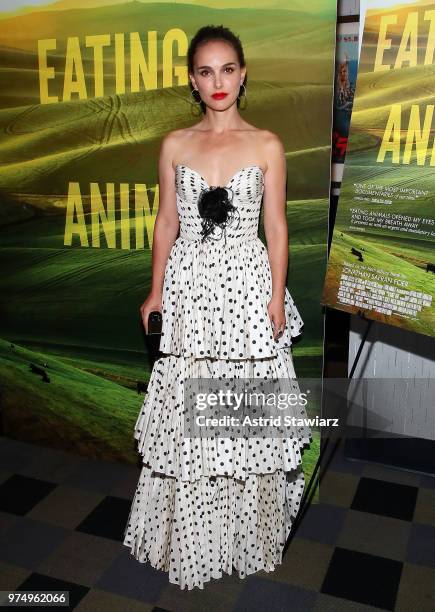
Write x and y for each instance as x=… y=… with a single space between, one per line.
x=217 y=210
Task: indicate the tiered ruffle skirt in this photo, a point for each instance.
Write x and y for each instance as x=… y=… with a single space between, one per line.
x=208 y=506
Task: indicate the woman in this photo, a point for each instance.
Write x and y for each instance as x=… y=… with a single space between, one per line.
x=205 y=506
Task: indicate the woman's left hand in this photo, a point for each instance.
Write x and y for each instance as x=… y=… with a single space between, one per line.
x=277 y=316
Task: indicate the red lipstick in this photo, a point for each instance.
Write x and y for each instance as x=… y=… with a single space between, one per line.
x=219 y=95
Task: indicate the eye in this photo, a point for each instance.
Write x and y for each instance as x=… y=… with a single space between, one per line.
x=229 y=68
x=203 y=72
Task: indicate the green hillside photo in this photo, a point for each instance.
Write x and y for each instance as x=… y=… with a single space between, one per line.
x=393 y=193
x=75 y=304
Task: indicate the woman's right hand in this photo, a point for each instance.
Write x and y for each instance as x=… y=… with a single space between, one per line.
x=152 y=302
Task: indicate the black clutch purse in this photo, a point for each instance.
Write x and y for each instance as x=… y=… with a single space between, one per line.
x=154 y=323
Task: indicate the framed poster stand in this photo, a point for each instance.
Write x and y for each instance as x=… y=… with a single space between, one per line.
x=325 y=458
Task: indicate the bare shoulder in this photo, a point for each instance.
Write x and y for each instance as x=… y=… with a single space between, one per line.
x=273 y=149
x=272 y=142
x=267 y=143
x=173 y=139
x=173 y=142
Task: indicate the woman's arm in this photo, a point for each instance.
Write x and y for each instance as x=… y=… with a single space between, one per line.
x=165 y=229
x=275 y=226
x=167 y=222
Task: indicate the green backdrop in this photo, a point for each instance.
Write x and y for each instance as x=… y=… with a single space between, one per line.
x=89 y=89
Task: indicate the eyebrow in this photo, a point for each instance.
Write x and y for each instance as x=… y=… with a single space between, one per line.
x=227 y=64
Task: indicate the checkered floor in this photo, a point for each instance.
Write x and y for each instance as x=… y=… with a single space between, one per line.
x=368 y=545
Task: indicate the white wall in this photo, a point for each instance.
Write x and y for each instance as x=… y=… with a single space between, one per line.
x=404 y=401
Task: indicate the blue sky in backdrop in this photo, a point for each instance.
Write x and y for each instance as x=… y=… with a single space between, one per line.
x=11 y=5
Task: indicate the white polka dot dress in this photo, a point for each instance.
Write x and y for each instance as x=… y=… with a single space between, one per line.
x=208 y=506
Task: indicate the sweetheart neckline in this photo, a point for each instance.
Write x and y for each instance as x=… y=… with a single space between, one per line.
x=235 y=175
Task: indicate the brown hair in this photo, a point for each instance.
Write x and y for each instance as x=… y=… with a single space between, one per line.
x=208 y=33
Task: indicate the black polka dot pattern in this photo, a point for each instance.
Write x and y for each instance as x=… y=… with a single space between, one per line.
x=197 y=531
x=215 y=296
x=208 y=506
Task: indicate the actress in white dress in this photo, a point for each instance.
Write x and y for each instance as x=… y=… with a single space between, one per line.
x=208 y=506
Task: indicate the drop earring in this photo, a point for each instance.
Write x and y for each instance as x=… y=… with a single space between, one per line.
x=239 y=97
x=192 y=97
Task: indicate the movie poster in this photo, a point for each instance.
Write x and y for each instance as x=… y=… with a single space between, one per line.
x=89 y=89
x=382 y=258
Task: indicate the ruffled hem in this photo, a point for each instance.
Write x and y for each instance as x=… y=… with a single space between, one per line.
x=160 y=427
x=197 y=531
x=215 y=302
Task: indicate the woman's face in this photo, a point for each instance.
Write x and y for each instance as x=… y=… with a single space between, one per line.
x=217 y=72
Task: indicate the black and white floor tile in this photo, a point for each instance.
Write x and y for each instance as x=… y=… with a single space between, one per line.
x=368 y=545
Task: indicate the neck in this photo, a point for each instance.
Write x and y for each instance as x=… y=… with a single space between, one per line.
x=222 y=122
